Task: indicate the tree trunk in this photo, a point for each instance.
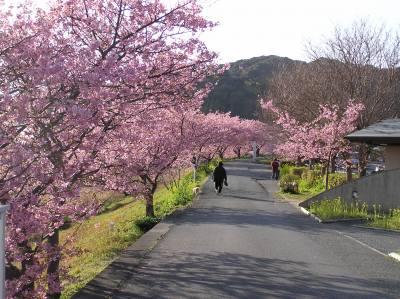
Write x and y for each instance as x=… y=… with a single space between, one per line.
x=363 y=151
x=348 y=164
x=149 y=205
x=53 y=277
x=13 y=272
x=237 y=152
x=349 y=173
x=333 y=164
x=327 y=174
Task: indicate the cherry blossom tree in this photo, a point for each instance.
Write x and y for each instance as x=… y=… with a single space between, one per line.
x=252 y=131
x=69 y=77
x=321 y=138
x=141 y=153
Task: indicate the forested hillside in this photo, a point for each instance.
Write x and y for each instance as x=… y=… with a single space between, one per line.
x=238 y=89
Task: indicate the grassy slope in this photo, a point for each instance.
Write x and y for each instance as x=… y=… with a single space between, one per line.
x=101 y=238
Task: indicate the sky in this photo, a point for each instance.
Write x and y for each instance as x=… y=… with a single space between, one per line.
x=250 y=28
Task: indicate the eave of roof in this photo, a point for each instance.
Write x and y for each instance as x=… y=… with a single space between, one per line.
x=386 y=132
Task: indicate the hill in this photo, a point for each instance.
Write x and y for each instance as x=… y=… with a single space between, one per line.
x=239 y=87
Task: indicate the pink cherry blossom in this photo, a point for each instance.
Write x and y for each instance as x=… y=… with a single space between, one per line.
x=321 y=138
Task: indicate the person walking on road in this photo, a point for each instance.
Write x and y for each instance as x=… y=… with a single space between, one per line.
x=275 y=169
x=219 y=177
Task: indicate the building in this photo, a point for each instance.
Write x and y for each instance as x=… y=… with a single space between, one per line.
x=381 y=189
x=385 y=133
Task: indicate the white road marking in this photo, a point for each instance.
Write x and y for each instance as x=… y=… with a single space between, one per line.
x=362 y=243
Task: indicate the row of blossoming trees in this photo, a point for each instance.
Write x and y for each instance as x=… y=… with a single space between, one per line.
x=321 y=139
x=97 y=93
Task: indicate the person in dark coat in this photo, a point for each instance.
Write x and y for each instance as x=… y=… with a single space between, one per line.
x=219 y=177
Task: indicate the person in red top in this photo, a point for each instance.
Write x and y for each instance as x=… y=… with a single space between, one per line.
x=275 y=169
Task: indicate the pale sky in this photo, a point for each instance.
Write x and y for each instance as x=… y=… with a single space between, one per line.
x=249 y=28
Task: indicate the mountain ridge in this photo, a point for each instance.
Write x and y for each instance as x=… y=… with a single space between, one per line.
x=239 y=88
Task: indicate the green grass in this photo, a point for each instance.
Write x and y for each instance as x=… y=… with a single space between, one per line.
x=386 y=221
x=301 y=183
x=337 y=209
x=100 y=239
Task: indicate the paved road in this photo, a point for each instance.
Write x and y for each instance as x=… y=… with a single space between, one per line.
x=245 y=244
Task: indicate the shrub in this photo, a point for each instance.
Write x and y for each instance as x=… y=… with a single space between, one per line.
x=207 y=167
x=289 y=183
x=318 y=186
x=298 y=170
x=147 y=223
x=310 y=176
x=183 y=193
x=303 y=186
x=336 y=179
x=284 y=169
x=317 y=167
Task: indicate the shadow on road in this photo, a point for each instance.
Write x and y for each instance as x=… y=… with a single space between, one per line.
x=241 y=276
x=240 y=218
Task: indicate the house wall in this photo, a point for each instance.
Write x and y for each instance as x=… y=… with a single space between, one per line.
x=392 y=157
x=380 y=189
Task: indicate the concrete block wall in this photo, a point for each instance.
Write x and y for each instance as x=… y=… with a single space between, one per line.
x=381 y=188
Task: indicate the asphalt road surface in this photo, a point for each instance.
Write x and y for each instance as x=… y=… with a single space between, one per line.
x=245 y=244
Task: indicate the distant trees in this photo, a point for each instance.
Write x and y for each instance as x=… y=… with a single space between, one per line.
x=240 y=86
x=360 y=62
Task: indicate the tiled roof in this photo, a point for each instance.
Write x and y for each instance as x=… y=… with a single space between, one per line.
x=384 y=132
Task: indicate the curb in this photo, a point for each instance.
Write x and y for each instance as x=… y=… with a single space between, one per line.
x=395 y=256
x=345 y=220
x=308 y=213
x=105 y=284
x=378 y=228
x=305 y=211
